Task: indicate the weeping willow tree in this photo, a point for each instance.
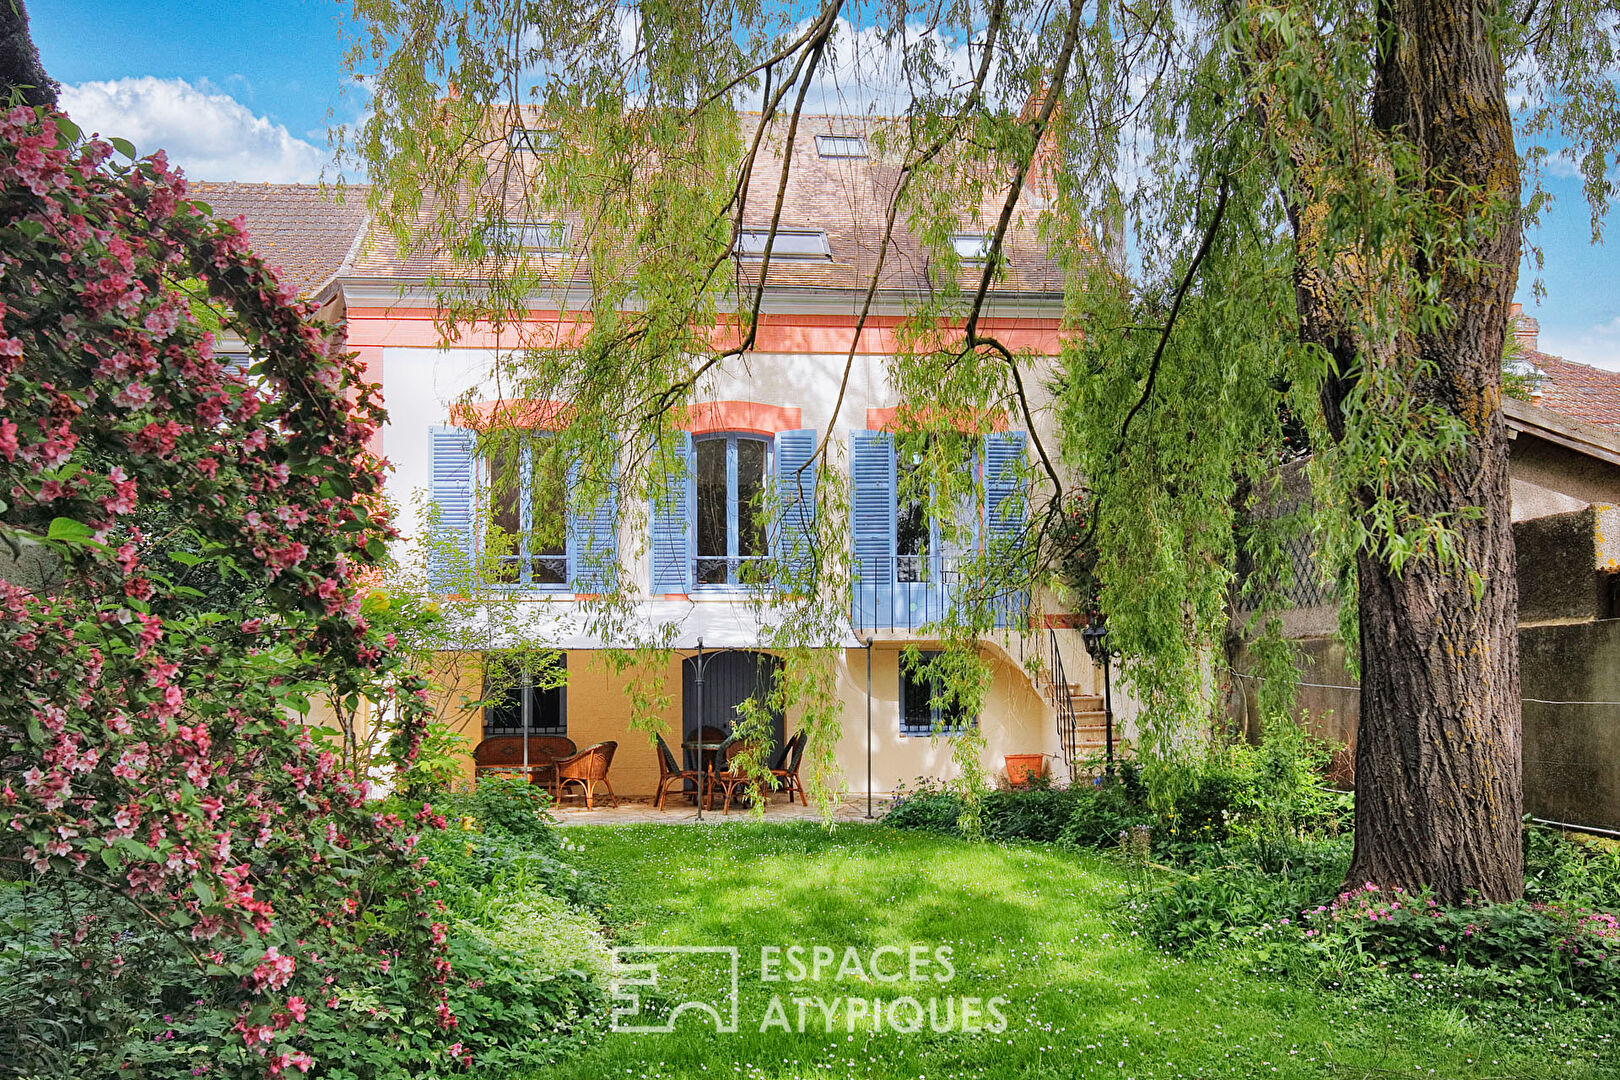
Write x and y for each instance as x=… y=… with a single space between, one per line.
x=1271 y=215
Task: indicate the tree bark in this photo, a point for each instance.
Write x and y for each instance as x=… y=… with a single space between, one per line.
x=20 y=69
x=1438 y=758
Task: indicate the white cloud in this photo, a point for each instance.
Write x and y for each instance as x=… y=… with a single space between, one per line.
x=209 y=134
x=1597 y=345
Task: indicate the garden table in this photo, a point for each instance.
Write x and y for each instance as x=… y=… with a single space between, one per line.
x=705 y=751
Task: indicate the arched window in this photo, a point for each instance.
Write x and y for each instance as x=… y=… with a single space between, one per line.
x=731 y=474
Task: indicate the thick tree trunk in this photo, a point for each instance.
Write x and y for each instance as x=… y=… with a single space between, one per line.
x=1438 y=770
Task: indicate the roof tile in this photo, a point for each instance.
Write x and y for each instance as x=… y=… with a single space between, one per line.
x=303 y=230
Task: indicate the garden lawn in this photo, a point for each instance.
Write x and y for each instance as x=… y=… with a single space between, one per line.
x=1036 y=925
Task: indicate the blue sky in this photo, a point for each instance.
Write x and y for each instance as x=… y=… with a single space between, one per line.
x=245 y=90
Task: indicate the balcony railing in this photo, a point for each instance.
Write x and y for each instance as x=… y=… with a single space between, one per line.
x=910 y=592
x=735 y=571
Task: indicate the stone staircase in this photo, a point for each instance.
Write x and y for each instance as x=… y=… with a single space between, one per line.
x=1087 y=737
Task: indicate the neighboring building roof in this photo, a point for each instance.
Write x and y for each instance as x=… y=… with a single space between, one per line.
x=305 y=231
x=846 y=197
x=1588 y=394
x=1560 y=428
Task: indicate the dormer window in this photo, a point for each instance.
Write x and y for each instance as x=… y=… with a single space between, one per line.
x=787 y=244
x=532 y=235
x=533 y=140
x=841 y=146
x=971 y=247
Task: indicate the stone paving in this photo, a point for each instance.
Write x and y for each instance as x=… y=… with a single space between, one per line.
x=680 y=812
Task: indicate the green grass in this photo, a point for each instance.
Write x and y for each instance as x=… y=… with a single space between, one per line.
x=1038 y=926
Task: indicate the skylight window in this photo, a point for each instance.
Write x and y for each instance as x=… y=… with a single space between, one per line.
x=971 y=247
x=788 y=244
x=534 y=140
x=532 y=235
x=841 y=146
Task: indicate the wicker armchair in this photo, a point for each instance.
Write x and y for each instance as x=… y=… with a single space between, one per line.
x=588 y=769
x=729 y=780
x=670 y=771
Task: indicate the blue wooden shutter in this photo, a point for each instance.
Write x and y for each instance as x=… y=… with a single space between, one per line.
x=670 y=536
x=871 y=505
x=1005 y=504
x=1004 y=498
x=593 y=537
x=451 y=484
x=796 y=502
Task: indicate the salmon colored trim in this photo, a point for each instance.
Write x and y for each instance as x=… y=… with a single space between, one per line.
x=886 y=419
x=371 y=367
x=704 y=417
x=533 y=413
x=415 y=328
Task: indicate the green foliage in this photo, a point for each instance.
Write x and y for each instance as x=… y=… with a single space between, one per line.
x=1038 y=814
x=1104 y=812
x=1283 y=904
x=930 y=806
x=439 y=760
x=1227 y=892
x=1571 y=869
x=515 y=807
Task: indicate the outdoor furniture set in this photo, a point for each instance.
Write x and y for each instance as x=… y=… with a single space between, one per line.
x=554 y=762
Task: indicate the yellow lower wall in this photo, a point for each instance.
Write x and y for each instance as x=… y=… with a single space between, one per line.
x=1014 y=719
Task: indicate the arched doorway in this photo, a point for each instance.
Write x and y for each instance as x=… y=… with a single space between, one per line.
x=729 y=679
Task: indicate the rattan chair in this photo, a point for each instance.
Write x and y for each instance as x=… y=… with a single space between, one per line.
x=728 y=780
x=588 y=769
x=670 y=771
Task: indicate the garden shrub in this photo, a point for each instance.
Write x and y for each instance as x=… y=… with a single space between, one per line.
x=1226 y=891
x=512 y=806
x=1038 y=813
x=1495 y=948
x=928 y=806
x=181 y=547
x=1101 y=812
x=1561 y=869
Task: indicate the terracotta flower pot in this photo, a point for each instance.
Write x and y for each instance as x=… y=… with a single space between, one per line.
x=1023 y=768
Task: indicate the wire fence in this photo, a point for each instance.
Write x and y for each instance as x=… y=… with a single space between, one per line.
x=1598 y=829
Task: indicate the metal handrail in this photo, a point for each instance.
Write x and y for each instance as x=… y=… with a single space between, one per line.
x=1068 y=720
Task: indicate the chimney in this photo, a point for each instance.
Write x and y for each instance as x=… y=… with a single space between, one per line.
x=1043 y=167
x=1526 y=328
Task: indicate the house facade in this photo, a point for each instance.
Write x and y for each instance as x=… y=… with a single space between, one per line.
x=817 y=373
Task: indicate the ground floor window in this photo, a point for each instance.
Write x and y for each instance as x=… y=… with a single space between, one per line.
x=924 y=708
x=525 y=699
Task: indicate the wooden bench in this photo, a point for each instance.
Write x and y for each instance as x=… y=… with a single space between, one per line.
x=504 y=754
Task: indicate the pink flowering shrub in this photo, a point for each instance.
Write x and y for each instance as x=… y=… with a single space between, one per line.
x=1537 y=944
x=152 y=785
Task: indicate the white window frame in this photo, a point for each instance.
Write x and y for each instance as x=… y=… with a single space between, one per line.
x=971 y=247
x=751 y=244
x=843 y=146
x=534 y=235
x=534 y=140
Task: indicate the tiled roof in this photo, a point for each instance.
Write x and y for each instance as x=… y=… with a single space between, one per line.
x=303 y=230
x=847 y=198
x=1576 y=390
